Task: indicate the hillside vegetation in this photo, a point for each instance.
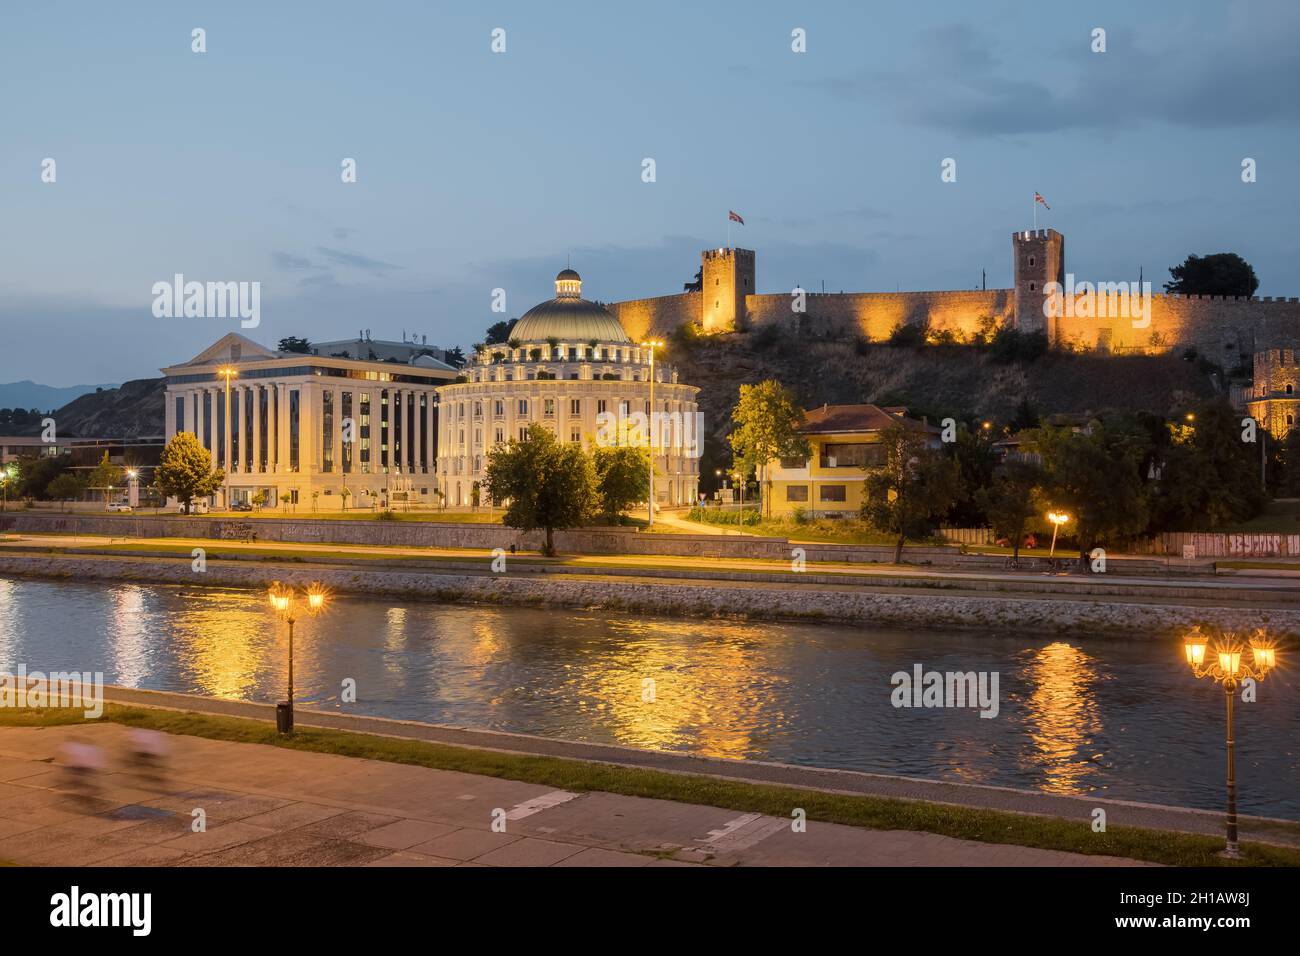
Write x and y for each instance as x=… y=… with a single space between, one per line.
x=966 y=382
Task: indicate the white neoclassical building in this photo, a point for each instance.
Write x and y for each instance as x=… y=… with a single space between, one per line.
x=570 y=366
x=308 y=426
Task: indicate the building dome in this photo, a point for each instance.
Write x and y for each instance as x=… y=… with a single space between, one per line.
x=568 y=317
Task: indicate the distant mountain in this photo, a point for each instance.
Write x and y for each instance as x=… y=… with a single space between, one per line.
x=132 y=410
x=28 y=394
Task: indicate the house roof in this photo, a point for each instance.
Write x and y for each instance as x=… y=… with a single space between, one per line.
x=841 y=419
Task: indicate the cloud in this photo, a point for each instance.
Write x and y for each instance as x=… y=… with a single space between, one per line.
x=357 y=261
x=1238 y=73
x=288 y=262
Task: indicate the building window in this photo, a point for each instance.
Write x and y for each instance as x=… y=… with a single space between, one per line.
x=832 y=493
x=523 y=407
x=327 y=431
x=180 y=414
x=499 y=409
x=207 y=421
x=796 y=493
x=249 y=411
x=263 y=415
x=792 y=463
x=1288 y=389
x=500 y=435
x=548 y=407
x=523 y=433
x=857 y=455
x=575 y=435
x=575 y=406
x=293 y=430
x=600 y=406
x=1031 y=287
x=364 y=427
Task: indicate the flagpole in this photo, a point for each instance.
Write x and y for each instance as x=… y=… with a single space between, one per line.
x=1035 y=202
x=728 y=230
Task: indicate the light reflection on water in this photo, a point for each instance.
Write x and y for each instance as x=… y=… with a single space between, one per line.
x=1077 y=715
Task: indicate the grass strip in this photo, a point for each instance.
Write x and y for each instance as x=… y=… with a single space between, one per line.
x=881 y=813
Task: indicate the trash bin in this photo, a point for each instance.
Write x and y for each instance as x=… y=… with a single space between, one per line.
x=284 y=718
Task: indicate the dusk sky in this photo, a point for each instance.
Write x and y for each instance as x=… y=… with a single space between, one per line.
x=479 y=170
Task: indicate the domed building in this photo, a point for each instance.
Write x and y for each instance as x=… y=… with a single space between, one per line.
x=570 y=366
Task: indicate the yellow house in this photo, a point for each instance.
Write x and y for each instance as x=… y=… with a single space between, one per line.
x=845 y=445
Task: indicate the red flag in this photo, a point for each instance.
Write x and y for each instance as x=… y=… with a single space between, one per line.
x=734 y=217
x=1038 y=197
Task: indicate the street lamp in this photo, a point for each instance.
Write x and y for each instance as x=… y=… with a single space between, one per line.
x=227 y=371
x=1057 y=518
x=1227 y=668
x=652 y=344
x=6 y=476
x=283 y=602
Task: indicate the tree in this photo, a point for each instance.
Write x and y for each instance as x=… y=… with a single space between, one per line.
x=105 y=476
x=64 y=487
x=35 y=472
x=499 y=333
x=1209 y=476
x=286 y=498
x=185 y=470
x=1223 y=273
x=622 y=478
x=916 y=485
x=767 y=420
x=975 y=459
x=260 y=499
x=1096 y=479
x=294 y=344
x=1008 y=501
x=545 y=483
x=454 y=357
x=1025 y=416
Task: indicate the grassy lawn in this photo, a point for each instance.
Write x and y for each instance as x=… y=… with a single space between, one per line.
x=989 y=826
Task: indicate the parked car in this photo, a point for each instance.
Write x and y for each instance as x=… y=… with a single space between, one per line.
x=241 y=506
x=197 y=507
x=119 y=506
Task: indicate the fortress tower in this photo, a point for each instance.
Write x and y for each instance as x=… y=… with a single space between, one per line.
x=728 y=276
x=1037 y=257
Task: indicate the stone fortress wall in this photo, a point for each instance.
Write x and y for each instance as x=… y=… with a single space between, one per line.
x=1226 y=330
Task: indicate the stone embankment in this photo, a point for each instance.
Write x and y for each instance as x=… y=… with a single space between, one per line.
x=1143 y=617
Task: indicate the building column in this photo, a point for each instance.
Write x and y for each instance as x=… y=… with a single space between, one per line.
x=169 y=414
x=257 y=429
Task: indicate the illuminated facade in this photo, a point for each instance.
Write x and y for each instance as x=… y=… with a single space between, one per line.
x=308 y=426
x=571 y=367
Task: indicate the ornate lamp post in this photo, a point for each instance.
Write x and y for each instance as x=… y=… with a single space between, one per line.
x=652 y=344
x=1226 y=667
x=283 y=601
x=1057 y=518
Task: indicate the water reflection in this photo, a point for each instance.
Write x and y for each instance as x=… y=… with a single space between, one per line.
x=1076 y=716
x=1061 y=716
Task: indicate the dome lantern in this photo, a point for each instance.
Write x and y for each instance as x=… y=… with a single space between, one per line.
x=568 y=285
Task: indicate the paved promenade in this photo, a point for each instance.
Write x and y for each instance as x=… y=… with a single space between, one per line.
x=267 y=806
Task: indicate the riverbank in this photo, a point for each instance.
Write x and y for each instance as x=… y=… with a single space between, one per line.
x=1141 y=611
x=617 y=807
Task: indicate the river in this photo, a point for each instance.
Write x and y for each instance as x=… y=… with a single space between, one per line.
x=1117 y=717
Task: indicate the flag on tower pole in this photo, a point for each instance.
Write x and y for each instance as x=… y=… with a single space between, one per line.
x=732 y=217
x=1038 y=198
